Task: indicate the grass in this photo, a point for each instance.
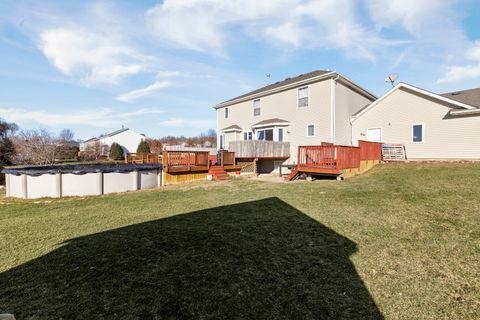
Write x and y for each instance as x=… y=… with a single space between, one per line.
x=400 y=242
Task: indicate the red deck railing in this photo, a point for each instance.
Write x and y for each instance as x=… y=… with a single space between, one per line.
x=333 y=157
x=186 y=159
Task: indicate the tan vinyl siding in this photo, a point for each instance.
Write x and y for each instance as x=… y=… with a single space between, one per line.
x=283 y=105
x=347 y=102
x=444 y=137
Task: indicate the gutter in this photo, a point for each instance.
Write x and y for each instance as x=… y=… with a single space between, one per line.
x=465 y=112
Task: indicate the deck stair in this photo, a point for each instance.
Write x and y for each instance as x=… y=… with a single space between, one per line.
x=218 y=173
x=293 y=175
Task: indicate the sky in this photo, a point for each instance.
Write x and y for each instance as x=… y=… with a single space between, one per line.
x=159 y=67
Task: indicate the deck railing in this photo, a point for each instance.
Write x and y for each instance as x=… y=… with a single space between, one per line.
x=186 y=160
x=142 y=158
x=370 y=150
x=259 y=149
x=228 y=158
x=329 y=156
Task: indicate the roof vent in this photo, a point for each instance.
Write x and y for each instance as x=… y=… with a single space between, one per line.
x=456 y=93
x=288 y=78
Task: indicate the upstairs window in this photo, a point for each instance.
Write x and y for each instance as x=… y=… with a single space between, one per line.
x=225 y=113
x=303 y=97
x=256 y=107
x=417 y=133
x=311 y=130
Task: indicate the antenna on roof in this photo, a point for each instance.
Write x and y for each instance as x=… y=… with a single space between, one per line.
x=391 y=78
x=268 y=78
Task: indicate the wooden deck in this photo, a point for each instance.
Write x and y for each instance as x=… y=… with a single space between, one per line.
x=185 y=161
x=329 y=159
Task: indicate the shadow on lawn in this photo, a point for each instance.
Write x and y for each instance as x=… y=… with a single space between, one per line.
x=254 y=260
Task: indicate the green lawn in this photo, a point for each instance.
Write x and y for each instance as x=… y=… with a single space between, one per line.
x=400 y=242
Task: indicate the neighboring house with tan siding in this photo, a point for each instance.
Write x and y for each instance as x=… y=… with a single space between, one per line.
x=306 y=110
x=430 y=126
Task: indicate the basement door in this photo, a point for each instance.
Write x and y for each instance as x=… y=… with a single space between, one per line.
x=374 y=135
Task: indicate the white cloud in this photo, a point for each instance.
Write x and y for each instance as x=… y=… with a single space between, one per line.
x=206 y=25
x=92 y=56
x=470 y=71
x=199 y=124
x=102 y=118
x=135 y=94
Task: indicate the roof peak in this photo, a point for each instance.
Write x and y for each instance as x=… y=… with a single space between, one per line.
x=281 y=83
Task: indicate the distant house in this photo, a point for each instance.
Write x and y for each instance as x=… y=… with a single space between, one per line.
x=429 y=125
x=126 y=138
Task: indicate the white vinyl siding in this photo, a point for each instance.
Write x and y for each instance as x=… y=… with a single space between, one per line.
x=443 y=137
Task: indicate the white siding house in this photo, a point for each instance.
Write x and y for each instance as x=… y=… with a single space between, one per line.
x=430 y=126
x=304 y=110
x=126 y=138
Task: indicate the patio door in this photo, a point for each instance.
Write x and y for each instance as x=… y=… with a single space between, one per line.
x=374 y=135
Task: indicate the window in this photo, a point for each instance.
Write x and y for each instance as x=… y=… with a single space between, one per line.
x=225 y=114
x=256 y=107
x=247 y=135
x=222 y=141
x=303 y=97
x=311 y=130
x=417 y=133
x=266 y=134
x=280 y=134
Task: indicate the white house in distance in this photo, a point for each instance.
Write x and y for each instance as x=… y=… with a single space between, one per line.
x=125 y=137
x=429 y=125
x=270 y=123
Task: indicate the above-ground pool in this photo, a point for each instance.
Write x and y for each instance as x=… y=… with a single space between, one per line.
x=80 y=179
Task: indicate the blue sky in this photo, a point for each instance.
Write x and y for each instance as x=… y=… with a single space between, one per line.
x=159 y=66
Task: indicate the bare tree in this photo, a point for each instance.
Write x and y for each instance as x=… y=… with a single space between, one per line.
x=66 y=135
x=35 y=147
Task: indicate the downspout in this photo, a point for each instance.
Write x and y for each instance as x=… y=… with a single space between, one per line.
x=333 y=82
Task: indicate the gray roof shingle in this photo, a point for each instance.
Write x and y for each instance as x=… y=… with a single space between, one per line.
x=278 y=84
x=470 y=96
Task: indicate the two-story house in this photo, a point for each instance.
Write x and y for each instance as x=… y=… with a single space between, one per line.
x=270 y=123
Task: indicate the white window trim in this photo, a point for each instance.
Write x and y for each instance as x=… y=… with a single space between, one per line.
x=226 y=113
x=423 y=132
x=253 y=107
x=314 y=130
x=298 y=97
